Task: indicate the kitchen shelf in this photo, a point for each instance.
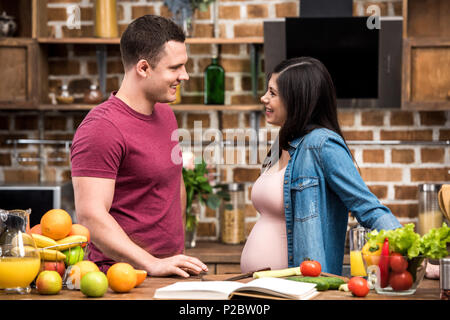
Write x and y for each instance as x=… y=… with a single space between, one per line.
x=202 y=107
x=92 y=40
x=429 y=42
x=175 y=107
x=66 y=107
x=101 y=51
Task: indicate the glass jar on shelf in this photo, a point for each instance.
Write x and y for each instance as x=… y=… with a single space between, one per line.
x=106 y=25
x=64 y=96
x=93 y=95
x=430 y=216
x=232 y=215
x=177 y=95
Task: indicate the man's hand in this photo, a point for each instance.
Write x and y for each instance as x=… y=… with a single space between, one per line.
x=181 y=265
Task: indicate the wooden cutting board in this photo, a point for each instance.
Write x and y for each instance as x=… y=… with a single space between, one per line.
x=246 y=277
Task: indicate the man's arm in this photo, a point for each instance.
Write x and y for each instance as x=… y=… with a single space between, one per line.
x=93 y=199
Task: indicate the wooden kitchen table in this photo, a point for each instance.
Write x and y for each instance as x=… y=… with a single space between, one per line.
x=428 y=290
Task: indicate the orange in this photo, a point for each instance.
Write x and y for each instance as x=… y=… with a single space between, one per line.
x=80 y=230
x=36 y=229
x=56 y=224
x=77 y=271
x=140 y=276
x=121 y=277
x=86 y=266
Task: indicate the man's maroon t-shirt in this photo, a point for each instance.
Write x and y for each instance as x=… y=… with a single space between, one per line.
x=141 y=153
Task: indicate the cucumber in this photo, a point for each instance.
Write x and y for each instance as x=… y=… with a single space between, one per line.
x=321 y=284
x=334 y=282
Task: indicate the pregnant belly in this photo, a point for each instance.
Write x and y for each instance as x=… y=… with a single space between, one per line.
x=266 y=246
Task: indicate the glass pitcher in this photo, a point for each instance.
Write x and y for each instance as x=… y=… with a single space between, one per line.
x=19 y=257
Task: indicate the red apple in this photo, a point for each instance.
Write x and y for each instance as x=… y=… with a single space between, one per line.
x=59 y=267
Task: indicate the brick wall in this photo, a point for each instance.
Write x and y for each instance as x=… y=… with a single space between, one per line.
x=392 y=172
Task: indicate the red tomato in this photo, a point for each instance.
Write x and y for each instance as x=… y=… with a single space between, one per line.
x=358 y=286
x=400 y=280
x=310 y=268
x=397 y=262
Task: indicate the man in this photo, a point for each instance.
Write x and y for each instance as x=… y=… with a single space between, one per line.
x=129 y=190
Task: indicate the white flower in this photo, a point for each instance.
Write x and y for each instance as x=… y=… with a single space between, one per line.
x=188 y=160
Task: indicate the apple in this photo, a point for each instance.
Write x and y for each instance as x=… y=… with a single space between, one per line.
x=57 y=266
x=49 y=282
x=94 y=284
x=73 y=255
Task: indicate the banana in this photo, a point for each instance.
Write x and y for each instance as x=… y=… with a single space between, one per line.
x=51 y=255
x=26 y=239
x=43 y=241
x=25 y=251
x=70 y=242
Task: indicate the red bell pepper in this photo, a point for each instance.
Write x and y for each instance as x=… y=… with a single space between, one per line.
x=384 y=264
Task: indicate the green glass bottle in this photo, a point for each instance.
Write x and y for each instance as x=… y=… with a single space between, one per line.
x=214 y=83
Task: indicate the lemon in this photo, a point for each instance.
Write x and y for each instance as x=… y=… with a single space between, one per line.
x=94 y=284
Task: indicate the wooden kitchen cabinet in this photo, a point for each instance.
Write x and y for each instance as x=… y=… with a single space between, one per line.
x=426 y=55
x=21 y=56
x=18 y=71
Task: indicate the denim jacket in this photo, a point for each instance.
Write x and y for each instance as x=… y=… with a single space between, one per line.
x=321 y=185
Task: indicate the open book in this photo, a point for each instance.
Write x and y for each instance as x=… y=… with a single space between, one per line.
x=264 y=288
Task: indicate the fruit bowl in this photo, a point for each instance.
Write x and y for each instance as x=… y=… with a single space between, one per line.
x=60 y=258
x=398 y=276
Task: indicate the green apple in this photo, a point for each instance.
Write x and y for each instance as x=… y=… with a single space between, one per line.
x=94 y=284
x=73 y=255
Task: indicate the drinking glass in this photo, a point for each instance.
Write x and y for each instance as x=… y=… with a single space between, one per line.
x=357 y=238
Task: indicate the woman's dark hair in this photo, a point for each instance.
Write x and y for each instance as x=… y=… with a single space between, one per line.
x=306 y=89
x=145 y=38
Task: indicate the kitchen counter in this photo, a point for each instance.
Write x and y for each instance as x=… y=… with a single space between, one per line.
x=222 y=259
x=428 y=290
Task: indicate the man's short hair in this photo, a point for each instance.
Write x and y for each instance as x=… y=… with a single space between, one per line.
x=145 y=38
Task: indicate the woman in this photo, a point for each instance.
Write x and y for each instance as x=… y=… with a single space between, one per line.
x=311 y=183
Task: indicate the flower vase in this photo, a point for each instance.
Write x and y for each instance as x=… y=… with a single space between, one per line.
x=188 y=27
x=190 y=238
x=191 y=225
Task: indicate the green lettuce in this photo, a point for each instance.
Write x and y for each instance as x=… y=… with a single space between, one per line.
x=402 y=240
x=433 y=244
x=409 y=243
